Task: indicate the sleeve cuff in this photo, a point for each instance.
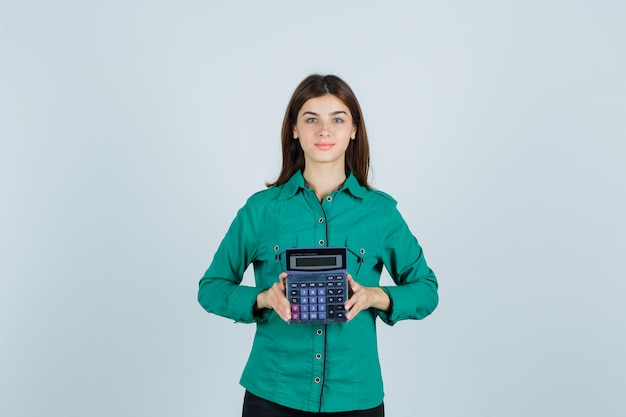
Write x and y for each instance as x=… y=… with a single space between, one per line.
x=402 y=302
x=242 y=306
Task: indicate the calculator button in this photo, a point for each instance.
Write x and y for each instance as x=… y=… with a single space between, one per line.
x=317 y=298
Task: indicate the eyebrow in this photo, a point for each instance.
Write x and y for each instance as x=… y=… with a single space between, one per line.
x=331 y=114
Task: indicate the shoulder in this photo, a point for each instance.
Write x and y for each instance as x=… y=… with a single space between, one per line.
x=264 y=197
x=379 y=198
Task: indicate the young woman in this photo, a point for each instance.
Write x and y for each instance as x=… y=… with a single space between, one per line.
x=321 y=198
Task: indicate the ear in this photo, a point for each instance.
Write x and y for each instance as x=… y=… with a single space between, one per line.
x=294 y=131
x=353 y=135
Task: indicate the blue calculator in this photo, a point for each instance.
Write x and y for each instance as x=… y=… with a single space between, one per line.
x=317 y=285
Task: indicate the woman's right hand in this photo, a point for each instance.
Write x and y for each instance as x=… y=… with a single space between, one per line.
x=274 y=298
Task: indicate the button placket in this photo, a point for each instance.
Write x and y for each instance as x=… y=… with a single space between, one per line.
x=317 y=352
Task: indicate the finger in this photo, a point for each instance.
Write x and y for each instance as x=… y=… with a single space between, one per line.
x=352 y=283
x=353 y=312
x=282 y=278
x=279 y=301
x=350 y=304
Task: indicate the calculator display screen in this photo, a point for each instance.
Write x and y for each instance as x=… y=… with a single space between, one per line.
x=320 y=261
x=316 y=259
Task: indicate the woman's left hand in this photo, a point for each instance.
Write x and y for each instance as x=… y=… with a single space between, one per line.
x=362 y=298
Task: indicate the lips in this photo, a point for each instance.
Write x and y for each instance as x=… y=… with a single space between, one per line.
x=324 y=146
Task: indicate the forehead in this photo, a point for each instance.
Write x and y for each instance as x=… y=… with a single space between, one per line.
x=324 y=104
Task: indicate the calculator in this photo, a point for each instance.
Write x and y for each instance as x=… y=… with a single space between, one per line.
x=317 y=285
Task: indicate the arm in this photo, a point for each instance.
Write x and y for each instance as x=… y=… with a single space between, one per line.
x=219 y=290
x=415 y=295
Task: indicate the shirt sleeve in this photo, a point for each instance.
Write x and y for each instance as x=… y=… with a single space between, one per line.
x=415 y=295
x=219 y=290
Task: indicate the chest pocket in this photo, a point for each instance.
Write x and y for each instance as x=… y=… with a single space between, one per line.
x=270 y=261
x=364 y=257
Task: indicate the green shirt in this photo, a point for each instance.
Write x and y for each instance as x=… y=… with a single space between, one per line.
x=318 y=368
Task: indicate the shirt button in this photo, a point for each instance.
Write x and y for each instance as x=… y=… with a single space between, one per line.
x=329 y=198
x=321 y=220
x=321 y=242
x=276 y=248
x=317 y=379
x=318 y=356
x=319 y=332
x=362 y=251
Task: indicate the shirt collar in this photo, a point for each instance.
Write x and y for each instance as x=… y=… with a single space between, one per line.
x=353 y=186
x=296 y=182
x=291 y=187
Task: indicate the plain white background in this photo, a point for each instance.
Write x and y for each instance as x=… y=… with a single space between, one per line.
x=132 y=131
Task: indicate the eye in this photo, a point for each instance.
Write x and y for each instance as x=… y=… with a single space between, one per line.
x=338 y=120
x=310 y=120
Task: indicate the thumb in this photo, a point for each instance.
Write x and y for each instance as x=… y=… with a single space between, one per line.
x=352 y=283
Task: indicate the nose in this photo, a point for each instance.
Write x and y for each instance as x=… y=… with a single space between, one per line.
x=325 y=131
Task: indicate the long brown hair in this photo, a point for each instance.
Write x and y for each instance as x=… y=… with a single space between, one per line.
x=358 y=152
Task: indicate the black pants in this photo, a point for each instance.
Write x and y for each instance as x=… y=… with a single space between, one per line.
x=254 y=406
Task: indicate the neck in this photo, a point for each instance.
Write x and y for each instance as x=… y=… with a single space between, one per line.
x=324 y=179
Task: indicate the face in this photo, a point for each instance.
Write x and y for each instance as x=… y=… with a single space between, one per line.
x=324 y=128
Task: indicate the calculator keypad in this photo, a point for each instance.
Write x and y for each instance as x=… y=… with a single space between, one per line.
x=317 y=298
